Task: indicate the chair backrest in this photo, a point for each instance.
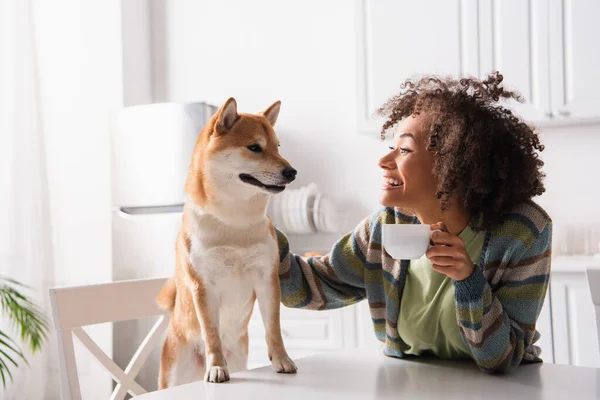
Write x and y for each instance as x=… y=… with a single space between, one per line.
x=593 y=276
x=79 y=306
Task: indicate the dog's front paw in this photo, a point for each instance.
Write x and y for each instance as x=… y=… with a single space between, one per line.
x=284 y=365
x=216 y=374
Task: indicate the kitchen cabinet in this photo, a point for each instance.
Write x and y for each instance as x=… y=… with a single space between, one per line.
x=545 y=49
x=574 y=58
x=574 y=330
x=513 y=39
x=304 y=332
x=400 y=39
x=544 y=327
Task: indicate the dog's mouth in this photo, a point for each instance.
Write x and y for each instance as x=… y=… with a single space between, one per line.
x=249 y=179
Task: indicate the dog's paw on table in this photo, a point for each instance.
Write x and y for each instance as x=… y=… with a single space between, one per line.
x=284 y=365
x=216 y=374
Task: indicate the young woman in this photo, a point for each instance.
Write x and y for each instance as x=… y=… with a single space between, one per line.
x=464 y=164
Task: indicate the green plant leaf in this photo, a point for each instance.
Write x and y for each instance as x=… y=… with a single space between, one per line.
x=14 y=350
x=28 y=319
x=2 y=370
x=7 y=357
x=4 y=367
x=9 y=345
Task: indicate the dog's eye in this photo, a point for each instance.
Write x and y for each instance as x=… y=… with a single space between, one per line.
x=255 y=148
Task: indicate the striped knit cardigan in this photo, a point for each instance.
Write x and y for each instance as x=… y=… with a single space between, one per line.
x=496 y=307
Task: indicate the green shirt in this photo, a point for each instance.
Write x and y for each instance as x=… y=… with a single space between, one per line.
x=427 y=319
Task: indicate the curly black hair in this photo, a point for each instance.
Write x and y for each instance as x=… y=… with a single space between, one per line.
x=485 y=156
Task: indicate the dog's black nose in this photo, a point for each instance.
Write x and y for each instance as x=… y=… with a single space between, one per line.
x=289 y=173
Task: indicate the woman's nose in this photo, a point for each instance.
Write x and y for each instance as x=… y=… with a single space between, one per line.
x=387 y=162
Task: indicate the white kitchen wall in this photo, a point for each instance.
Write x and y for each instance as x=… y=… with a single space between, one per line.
x=572 y=168
x=303 y=53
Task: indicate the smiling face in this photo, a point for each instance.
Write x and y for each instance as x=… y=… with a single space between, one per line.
x=408 y=181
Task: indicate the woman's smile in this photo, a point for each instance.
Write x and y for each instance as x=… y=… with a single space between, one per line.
x=390 y=183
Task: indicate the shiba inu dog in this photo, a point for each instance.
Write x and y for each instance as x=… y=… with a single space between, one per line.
x=227 y=253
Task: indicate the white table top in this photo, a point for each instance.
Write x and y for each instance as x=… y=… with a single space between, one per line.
x=367 y=374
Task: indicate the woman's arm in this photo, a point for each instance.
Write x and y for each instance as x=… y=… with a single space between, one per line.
x=325 y=282
x=498 y=323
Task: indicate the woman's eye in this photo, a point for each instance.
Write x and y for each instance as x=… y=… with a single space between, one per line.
x=255 y=148
x=391 y=148
x=404 y=151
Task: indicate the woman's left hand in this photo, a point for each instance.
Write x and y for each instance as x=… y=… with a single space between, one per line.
x=448 y=254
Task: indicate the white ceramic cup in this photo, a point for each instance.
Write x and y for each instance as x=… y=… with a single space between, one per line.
x=406 y=241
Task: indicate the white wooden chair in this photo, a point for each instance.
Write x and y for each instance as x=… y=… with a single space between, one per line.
x=79 y=306
x=593 y=276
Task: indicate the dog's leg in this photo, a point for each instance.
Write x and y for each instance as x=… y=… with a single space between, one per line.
x=236 y=351
x=206 y=303
x=167 y=359
x=268 y=295
x=180 y=363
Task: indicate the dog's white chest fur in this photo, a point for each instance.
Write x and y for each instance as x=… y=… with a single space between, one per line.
x=225 y=262
x=233 y=261
x=220 y=251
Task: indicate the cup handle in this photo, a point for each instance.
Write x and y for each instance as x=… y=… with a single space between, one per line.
x=430 y=242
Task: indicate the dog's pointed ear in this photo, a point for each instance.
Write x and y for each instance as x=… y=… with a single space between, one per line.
x=227 y=115
x=272 y=112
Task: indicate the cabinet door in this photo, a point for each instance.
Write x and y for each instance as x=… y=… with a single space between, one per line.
x=399 y=39
x=304 y=332
x=575 y=58
x=364 y=328
x=513 y=39
x=573 y=321
x=544 y=327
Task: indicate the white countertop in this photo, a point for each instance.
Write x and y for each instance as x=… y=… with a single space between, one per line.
x=367 y=374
